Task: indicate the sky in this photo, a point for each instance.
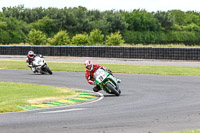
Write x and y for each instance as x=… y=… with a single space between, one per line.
x=102 y=5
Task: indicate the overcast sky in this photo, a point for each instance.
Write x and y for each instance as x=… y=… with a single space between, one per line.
x=128 y=5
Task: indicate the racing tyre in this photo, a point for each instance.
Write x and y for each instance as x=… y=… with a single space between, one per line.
x=49 y=71
x=113 y=90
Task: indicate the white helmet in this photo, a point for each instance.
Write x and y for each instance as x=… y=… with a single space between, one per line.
x=30 y=54
x=88 y=65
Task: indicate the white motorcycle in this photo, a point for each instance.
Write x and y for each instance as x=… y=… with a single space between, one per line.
x=40 y=65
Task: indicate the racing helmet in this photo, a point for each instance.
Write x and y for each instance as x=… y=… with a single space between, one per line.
x=30 y=54
x=88 y=65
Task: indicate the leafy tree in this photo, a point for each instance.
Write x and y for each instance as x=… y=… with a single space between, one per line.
x=191 y=27
x=46 y=25
x=96 y=37
x=115 y=20
x=192 y=17
x=80 y=39
x=136 y=26
x=114 y=39
x=103 y=25
x=58 y=16
x=5 y=37
x=3 y=25
x=97 y=20
x=61 y=38
x=76 y=20
x=36 y=37
x=165 y=18
x=176 y=27
x=142 y=37
x=141 y=20
x=12 y=30
x=20 y=13
x=179 y=16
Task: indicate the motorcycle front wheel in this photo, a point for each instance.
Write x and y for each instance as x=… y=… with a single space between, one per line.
x=46 y=69
x=113 y=90
x=49 y=71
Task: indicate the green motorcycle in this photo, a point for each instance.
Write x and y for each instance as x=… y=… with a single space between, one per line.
x=107 y=82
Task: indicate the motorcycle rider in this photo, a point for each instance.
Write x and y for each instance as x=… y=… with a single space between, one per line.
x=89 y=74
x=29 y=60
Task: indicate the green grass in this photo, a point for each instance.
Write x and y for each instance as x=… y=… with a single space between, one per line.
x=192 y=131
x=116 y=68
x=159 y=70
x=21 y=94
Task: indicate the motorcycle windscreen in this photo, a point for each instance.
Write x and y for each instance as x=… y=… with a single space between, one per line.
x=100 y=75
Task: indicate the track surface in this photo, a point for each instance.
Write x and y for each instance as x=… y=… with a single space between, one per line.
x=149 y=103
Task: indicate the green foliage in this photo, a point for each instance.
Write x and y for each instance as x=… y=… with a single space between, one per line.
x=4 y=34
x=61 y=38
x=46 y=25
x=184 y=37
x=80 y=39
x=147 y=37
x=141 y=20
x=114 y=39
x=25 y=14
x=36 y=37
x=165 y=18
x=192 y=17
x=5 y=37
x=191 y=27
x=95 y=37
x=136 y=26
x=102 y=24
x=74 y=20
x=179 y=16
x=12 y=30
x=115 y=21
x=3 y=25
x=185 y=18
x=176 y=27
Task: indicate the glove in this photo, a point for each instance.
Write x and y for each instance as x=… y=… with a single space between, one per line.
x=108 y=70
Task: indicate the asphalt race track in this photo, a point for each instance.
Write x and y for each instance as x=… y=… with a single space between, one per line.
x=148 y=103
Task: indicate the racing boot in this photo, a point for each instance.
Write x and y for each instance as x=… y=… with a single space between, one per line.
x=96 y=89
x=33 y=69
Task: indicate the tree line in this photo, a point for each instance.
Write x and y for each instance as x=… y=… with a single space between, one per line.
x=80 y=25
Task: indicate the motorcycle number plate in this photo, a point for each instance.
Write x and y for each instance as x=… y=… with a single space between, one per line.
x=101 y=77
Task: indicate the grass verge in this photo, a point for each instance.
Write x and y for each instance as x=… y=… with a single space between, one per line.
x=192 y=131
x=116 y=68
x=21 y=94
